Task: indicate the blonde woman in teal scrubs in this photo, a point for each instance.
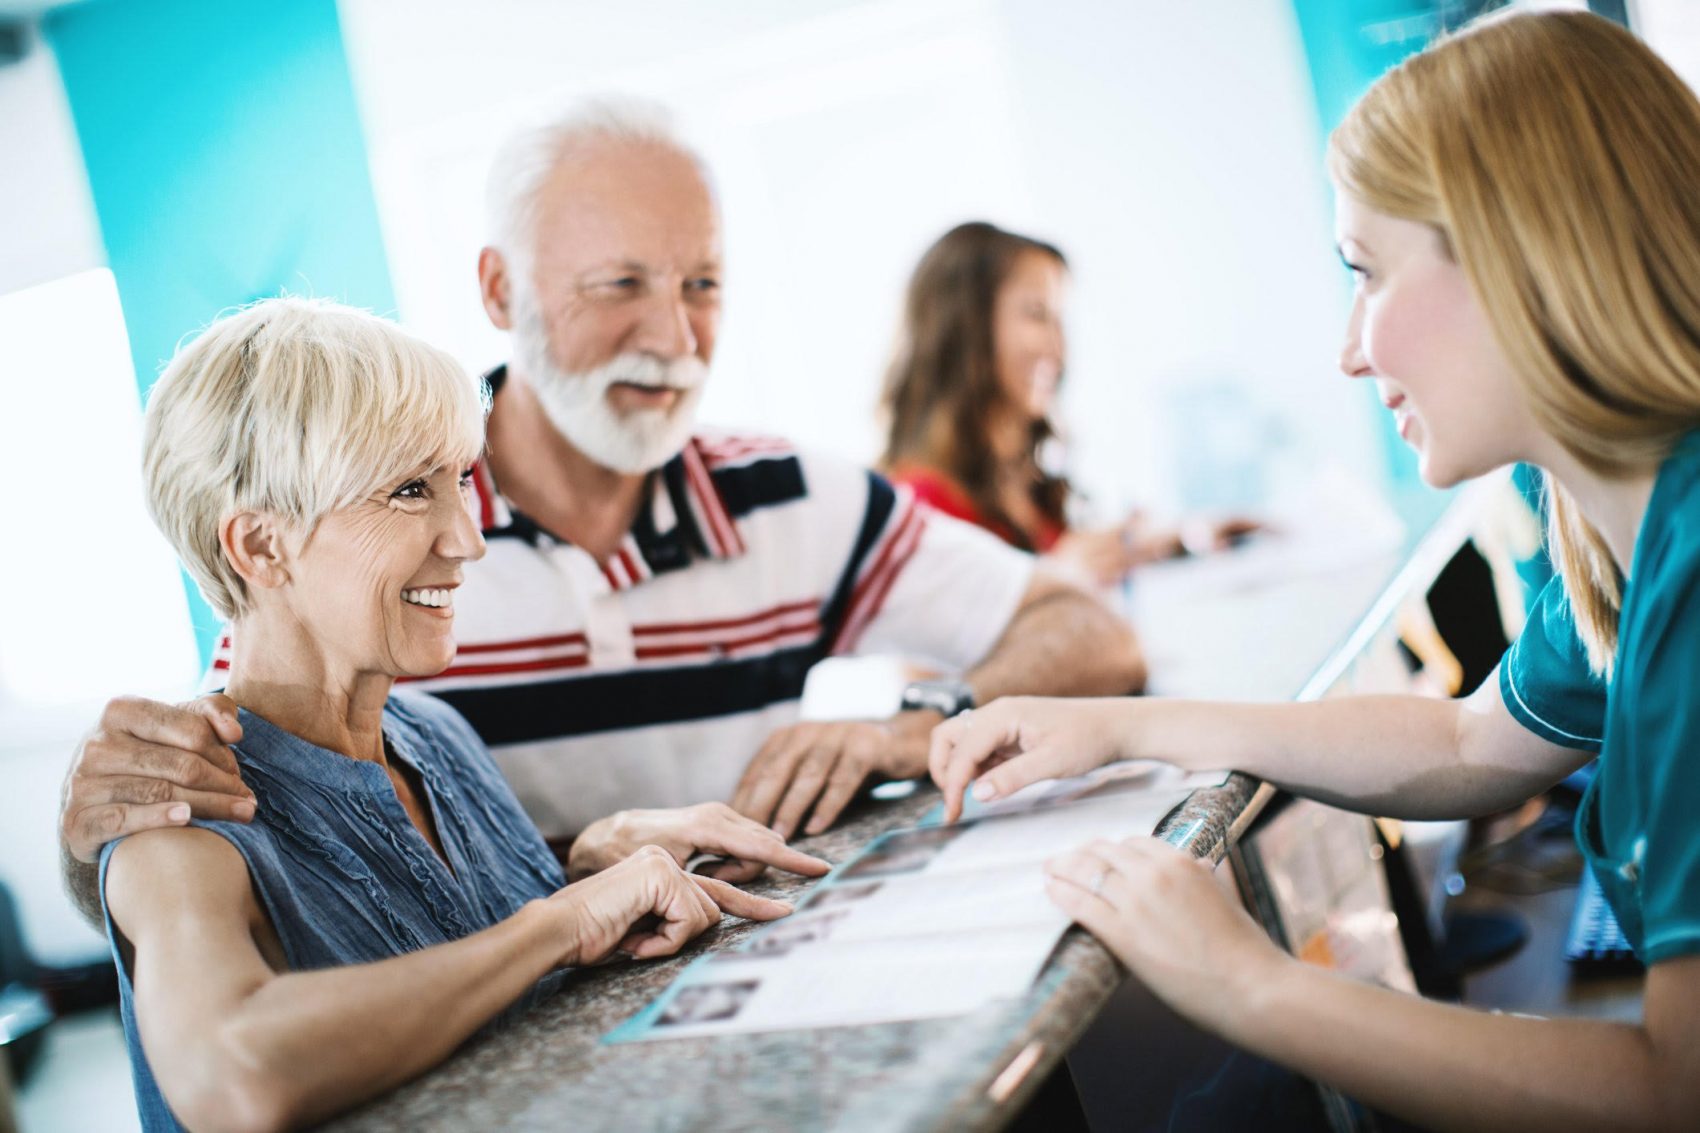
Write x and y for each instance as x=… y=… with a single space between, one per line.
x=1520 y=206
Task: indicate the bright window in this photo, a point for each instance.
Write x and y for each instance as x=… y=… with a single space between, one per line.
x=94 y=603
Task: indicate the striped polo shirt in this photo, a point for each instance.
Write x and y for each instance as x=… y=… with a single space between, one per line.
x=651 y=679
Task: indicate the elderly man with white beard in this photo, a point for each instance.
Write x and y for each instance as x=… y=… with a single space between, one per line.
x=637 y=638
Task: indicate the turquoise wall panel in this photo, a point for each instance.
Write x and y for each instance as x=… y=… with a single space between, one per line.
x=226 y=160
x=1348 y=45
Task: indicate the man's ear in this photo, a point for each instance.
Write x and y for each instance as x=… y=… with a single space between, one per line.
x=253 y=544
x=495 y=286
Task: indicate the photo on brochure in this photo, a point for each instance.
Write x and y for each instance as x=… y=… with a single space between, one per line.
x=707 y=1003
x=780 y=937
x=904 y=851
x=828 y=896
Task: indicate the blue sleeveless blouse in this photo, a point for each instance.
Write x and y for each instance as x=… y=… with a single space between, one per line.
x=344 y=875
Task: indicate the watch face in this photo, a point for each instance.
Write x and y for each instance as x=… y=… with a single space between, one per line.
x=944 y=697
x=938 y=700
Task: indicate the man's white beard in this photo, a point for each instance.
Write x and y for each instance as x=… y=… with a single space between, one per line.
x=577 y=404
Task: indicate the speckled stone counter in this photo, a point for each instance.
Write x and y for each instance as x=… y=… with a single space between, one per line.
x=550 y=1071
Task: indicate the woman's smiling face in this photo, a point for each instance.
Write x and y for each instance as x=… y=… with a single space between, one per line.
x=374 y=583
x=1028 y=346
x=1418 y=330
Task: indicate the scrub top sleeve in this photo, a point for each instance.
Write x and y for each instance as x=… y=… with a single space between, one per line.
x=1663 y=837
x=1545 y=681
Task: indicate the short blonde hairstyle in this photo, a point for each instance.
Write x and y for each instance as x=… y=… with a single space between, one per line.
x=1559 y=159
x=295 y=407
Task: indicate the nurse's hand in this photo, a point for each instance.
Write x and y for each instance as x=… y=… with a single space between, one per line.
x=1167 y=918
x=646 y=906
x=687 y=832
x=1022 y=739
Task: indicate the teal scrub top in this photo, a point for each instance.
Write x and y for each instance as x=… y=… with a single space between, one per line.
x=1639 y=823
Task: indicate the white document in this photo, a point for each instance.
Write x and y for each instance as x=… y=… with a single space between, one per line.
x=917 y=905
x=1026 y=838
x=872 y=982
x=927 y=922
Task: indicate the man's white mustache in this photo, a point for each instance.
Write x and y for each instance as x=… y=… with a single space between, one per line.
x=681 y=374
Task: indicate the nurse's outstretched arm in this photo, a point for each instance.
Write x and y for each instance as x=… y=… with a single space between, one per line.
x=1442 y=1066
x=1399 y=756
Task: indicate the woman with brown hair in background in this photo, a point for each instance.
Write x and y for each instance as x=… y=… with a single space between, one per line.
x=969 y=398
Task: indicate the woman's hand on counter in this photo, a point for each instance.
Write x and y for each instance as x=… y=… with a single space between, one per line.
x=1203 y=535
x=1100 y=556
x=1104 y=556
x=1165 y=916
x=647 y=906
x=715 y=829
x=1022 y=739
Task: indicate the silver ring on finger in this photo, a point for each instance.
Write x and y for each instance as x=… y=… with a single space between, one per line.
x=1098 y=880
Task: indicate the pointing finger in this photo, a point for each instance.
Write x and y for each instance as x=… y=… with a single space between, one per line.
x=733 y=900
x=768 y=850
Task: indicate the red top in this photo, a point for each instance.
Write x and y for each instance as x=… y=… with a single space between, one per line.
x=942 y=493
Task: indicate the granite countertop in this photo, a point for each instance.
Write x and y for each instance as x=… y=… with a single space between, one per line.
x=549 y=1069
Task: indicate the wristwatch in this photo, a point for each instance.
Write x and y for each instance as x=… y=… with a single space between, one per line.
x=947 y=698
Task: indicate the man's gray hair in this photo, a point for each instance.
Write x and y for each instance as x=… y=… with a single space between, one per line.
x=525 y=161
x=296 y=407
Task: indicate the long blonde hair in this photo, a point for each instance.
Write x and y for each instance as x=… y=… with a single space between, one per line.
x=1559 y=159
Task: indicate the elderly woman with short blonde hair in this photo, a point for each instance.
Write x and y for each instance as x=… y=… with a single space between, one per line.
x=309 y=463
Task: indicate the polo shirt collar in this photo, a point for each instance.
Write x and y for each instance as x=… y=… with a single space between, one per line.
x=685 y=518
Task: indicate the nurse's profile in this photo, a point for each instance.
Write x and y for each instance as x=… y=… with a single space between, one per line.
x=1518 y=206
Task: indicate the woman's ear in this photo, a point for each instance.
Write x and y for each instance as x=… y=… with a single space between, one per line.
x=254 y=545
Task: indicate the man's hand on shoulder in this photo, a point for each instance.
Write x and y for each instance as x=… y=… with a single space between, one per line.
x=814 y=769
x=147 y=765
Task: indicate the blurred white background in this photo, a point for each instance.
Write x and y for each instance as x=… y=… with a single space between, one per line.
x=1173 y=151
